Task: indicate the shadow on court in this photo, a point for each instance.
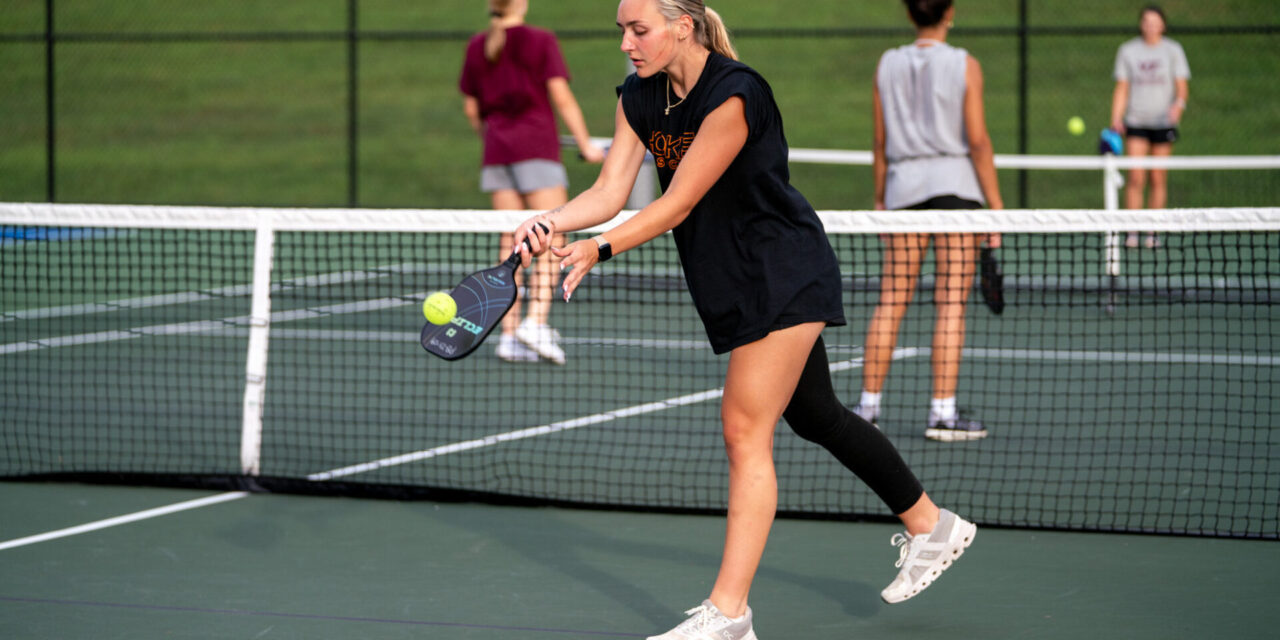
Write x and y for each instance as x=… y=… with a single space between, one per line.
x=274 y=566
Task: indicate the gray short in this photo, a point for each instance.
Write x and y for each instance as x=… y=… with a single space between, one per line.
x=526 y=177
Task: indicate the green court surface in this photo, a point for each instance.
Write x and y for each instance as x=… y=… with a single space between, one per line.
x=276 y=566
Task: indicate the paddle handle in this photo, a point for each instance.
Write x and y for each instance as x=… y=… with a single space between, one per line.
x=515 y=253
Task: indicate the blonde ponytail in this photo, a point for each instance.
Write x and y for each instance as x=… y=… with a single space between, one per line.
x=495 y=39
x=717 y=36
x=708 y=28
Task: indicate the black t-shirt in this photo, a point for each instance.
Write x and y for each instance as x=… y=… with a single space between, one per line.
x=755 y=255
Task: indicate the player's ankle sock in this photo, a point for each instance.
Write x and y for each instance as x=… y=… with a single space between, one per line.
x=942 y=410
x=870 y=403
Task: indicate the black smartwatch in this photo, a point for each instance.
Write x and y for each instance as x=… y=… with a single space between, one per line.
x=604 y=250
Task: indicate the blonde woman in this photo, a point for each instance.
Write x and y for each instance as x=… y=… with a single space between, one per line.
x=512 y=76
x=763 y=279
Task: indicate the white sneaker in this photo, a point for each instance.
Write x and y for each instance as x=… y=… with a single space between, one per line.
x=707 y=623
x=870 y=415
x=924 y=557
x=513 y=350
x=542 y=339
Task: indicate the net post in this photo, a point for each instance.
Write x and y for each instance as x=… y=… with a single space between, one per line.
x=1111 y=183
x=646 y=185
x=255 y=375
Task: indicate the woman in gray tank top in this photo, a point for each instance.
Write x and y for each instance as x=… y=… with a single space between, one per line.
x=931 y=151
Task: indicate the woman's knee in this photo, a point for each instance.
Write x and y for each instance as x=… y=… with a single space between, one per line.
x=815 y=416
x=951 y=300
x=745 y=432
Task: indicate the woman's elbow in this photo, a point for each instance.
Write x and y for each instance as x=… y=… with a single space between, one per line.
x=980 y=145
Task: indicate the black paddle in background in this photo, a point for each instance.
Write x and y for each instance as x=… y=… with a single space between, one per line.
x=483 y=298
x=992 y=280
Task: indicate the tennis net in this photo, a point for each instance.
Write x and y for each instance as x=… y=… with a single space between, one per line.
x=1125 y=389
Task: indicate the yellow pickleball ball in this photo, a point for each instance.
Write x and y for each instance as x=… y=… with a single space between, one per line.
x=1075 y=125
x=439 y=308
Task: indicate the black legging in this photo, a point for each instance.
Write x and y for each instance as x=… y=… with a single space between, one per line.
x=816 y=414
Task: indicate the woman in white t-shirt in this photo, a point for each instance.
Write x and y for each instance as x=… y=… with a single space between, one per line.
x=1151 y=93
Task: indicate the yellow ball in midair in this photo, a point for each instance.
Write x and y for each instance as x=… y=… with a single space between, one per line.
x=439 y=308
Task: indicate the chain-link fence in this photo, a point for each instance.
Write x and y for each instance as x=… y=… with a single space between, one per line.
x=355 y=102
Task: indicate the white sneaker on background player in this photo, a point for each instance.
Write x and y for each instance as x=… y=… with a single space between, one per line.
x=542 y=339
x=512 y=350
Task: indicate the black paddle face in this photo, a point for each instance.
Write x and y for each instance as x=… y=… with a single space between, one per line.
x=483 y=298
x=992 y=279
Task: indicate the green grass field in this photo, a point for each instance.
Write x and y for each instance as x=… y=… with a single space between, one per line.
x=263 y=122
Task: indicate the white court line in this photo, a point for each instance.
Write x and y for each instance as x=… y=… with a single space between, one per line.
x=520 y=434
x=199 y=326
x=1125 y=357
x=238 y=325
x=125 y=519
x=232 y=291
x=556 y=427
x=456 y=447
x=626 y=412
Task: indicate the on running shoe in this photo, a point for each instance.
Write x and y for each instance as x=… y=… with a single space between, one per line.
x=922 y=558
x=705 y=622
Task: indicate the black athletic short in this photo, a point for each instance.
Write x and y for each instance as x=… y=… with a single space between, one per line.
x=1154 y=136
x=946 y=202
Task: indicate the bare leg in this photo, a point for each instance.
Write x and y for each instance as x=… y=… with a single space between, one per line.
x=1158 y=197
x=509 y=199
x=761 y=378
x=957 y=255
x=921 y=517
x=1159 y=194
x=1137 y=183
x=544 y=268
x=903 y=255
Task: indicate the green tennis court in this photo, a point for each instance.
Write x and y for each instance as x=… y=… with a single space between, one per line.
x=127 y=351
x=1127 y=393
x=276 y=566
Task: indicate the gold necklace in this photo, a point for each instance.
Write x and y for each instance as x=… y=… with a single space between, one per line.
x=670 y=106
